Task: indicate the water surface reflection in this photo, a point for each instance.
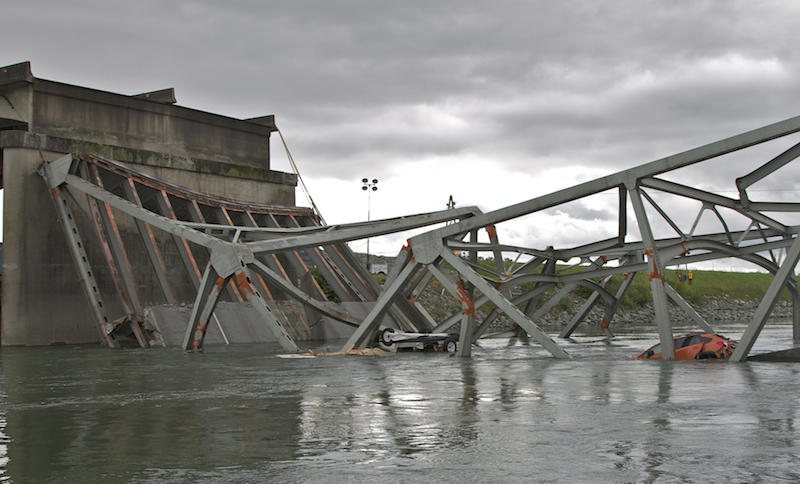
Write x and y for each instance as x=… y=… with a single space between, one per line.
x=240 y=414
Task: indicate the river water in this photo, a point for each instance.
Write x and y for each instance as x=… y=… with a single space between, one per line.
x=509 y=414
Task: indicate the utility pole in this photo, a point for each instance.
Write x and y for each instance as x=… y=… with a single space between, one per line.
x=369 y=186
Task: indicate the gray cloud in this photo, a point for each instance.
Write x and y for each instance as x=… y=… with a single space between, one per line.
x=525 y=86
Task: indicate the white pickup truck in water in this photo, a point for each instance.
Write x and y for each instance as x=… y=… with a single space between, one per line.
x=393 y=340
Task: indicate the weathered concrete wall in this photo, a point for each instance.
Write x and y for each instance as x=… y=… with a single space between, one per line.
x=42 y=302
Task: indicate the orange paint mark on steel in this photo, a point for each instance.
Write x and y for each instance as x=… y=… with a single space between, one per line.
x=492 y=231
x=220 y=283
x=656 y=275
x=464 y=298
x=244 y=283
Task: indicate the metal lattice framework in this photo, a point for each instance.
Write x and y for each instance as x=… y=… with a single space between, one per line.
x=246 y=246
x=242 y=251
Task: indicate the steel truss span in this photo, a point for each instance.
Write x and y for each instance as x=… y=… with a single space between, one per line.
x=255 y=253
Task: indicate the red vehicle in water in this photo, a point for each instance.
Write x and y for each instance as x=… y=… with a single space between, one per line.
x=695 y=346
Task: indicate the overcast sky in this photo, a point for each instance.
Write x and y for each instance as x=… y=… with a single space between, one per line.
x=491 y=102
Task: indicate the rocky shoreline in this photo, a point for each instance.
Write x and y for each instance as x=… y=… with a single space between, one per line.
x=714 y=310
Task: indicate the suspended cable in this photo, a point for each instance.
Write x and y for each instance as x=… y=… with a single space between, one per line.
x=300 y=178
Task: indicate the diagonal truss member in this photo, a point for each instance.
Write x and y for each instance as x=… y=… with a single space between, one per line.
x=262 y=254
x=533 y=281
x=249 y=252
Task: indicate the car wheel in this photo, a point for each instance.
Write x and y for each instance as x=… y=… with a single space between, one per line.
x=385 y=336
x=450 y=346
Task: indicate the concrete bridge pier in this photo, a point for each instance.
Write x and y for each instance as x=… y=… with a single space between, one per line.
x=42 y=120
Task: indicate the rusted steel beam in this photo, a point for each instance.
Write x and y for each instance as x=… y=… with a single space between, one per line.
x=153 y=254
x=184 y=250
x=121 y=257
x=204 y=304
x=106 y=246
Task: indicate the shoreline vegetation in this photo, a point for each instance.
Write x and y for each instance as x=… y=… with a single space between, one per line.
x=718 y=296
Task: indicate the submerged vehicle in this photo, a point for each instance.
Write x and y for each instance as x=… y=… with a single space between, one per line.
x=695 y=346
x=394 y=340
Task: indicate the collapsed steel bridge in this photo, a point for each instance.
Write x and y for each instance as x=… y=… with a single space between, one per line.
x=248 y=252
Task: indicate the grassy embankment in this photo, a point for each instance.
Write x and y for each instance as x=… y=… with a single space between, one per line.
x=743 y=286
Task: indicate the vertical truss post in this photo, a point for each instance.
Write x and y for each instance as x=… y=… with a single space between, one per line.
x=467 y=293
x=767 y=302
x=504 y=304
x=204 y=304
x=367 y=327
x=656 y=275
x=467 y=323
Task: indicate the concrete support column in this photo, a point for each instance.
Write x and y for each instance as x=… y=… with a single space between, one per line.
x=37 y=262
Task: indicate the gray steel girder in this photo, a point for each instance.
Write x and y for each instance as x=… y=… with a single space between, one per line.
x=232 y=259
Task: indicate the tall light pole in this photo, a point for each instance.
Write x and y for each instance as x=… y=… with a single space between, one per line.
x=369 y=186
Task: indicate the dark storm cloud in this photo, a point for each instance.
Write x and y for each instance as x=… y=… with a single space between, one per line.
x=591 y=84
